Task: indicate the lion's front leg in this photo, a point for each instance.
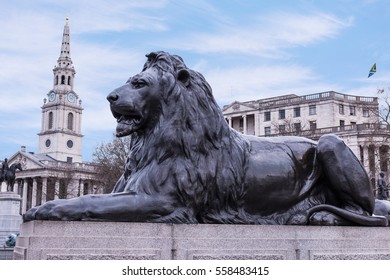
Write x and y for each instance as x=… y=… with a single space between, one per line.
x=115 y=207
x=60 y=209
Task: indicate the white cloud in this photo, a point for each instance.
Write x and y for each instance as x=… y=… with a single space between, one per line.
x=269 y=36
x=250 y=83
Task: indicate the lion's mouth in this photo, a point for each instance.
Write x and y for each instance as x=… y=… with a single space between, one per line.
x=127 y=124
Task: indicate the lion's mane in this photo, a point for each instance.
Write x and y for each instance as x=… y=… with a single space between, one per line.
x=193 y=147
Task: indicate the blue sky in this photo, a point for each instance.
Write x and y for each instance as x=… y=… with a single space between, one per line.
x=246 y=49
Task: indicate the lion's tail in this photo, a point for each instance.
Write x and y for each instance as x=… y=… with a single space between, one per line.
x=355 y=218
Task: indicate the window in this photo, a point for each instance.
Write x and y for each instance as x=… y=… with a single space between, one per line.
x=282 y=114
x=50 y=120
x=69 y=81
x=297 y=127
x=267 y=116
x=313 y=125
x=297 y=112
x=341 y=109
x=69 y=144
x=63 y=80
x=57 y=80
x=267 y=130
x=282 y=128
x=342 y=123
x=352 y=110
x=312 y=110
x=366 y=113
x=70 y=121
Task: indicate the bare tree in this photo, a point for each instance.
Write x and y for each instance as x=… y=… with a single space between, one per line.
x=290 y=126
x=111 y=158
x=384 y=105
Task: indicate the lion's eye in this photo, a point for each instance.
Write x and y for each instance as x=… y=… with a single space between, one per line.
x=138 y=84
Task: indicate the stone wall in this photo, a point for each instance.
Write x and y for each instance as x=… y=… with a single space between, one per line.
x=142 y=241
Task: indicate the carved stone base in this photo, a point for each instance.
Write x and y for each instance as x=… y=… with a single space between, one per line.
x=142 y=241
x=10 y=219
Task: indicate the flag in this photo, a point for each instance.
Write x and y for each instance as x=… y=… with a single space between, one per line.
x=372 y=71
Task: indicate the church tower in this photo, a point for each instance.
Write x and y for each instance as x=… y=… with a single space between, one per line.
x=60 y=135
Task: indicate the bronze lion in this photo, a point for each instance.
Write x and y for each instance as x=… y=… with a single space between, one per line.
x=187 y=165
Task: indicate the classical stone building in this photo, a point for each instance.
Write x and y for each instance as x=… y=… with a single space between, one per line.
x=353 y=118
x=57 y=170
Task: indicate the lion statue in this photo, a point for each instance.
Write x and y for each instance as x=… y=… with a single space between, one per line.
x=187 y=165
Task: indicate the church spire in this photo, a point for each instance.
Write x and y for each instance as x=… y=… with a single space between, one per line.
x=65 y=47
x=64 y=71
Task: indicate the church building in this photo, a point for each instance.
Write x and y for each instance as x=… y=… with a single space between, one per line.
x=57 y=170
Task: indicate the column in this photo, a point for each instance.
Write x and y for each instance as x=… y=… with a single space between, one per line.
x=34 y=193
x=244 y=124
x=81 y=187
x=257 y=124
x=24 y=197
x=56 y=189
x=230 y=121
x=44 y=189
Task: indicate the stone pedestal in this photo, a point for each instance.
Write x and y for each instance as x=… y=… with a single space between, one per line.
x=10 y=218
x=142 y=241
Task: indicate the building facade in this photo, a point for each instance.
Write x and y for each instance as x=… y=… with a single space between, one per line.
x=353 y=118
x=57 y=170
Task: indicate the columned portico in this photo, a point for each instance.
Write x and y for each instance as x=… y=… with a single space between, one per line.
x=40 y=189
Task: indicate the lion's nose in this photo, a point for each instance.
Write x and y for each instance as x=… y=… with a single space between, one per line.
x=113 y=96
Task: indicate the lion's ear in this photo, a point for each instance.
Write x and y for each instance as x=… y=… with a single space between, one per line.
x=184 y=77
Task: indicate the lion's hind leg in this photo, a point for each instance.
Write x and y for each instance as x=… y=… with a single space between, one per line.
x=348 y=181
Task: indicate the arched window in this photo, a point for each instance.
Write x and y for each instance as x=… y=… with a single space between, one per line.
x=50 y=120
x=63 y=80
x=70 y=121
x=56 y=79
x=69 y=81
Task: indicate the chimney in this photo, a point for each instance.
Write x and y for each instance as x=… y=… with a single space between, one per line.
x=23 y=149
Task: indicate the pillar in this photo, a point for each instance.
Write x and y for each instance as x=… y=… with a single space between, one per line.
x=44 y=190
x=244 y=130
x=230 y=121
x=24 y=196
x=56 y=189
x=34 y=193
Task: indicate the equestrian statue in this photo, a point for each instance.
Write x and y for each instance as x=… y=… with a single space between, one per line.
x=8 y=174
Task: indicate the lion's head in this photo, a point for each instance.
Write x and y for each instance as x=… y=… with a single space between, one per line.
x=147 y=97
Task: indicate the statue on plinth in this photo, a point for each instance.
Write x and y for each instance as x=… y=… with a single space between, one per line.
x=8 y=174
x=186 y=164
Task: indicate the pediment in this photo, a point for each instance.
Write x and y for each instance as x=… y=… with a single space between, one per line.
x=28 y=161
x=237 y=107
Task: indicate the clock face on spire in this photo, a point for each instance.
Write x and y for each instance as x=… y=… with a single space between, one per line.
x=71 y=97
x=52 y=96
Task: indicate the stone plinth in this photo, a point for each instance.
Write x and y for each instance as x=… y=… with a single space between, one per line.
x=141 y=241
x=10 y=219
